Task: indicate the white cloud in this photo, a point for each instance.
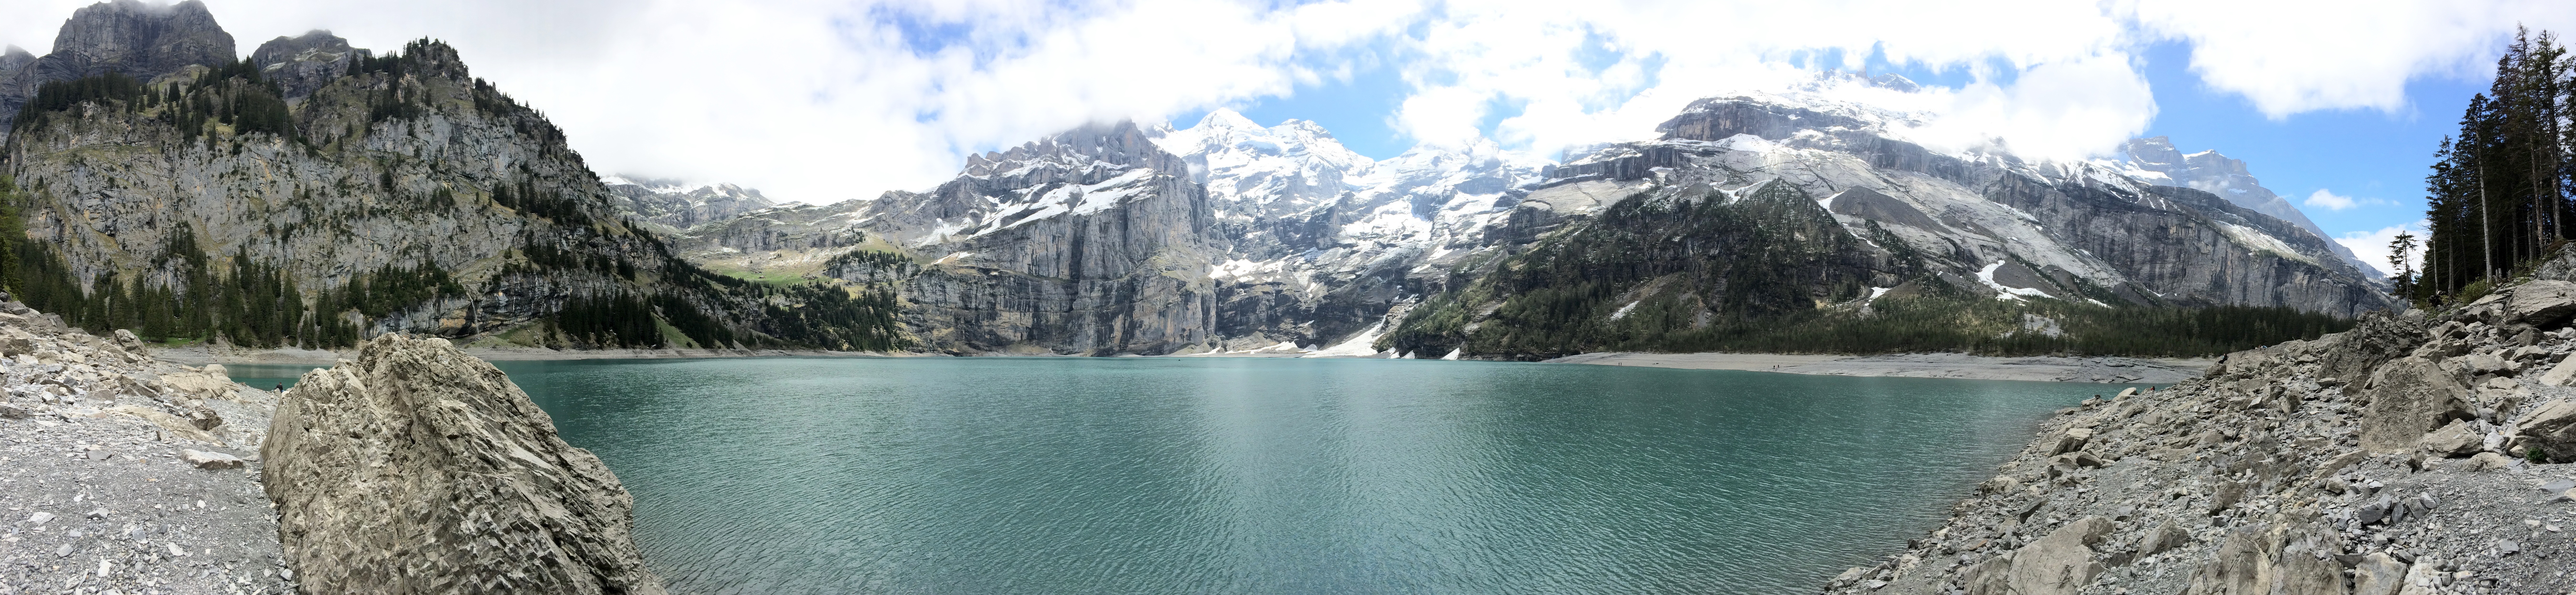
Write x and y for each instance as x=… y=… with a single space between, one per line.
x=823 y=100
x=2372 y=246
x=2329 y=201
x=2291 y=57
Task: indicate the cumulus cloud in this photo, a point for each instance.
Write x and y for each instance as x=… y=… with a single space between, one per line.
x=2372 y=246
x=2328 y=200
x=2291 y=57
x=824 y=100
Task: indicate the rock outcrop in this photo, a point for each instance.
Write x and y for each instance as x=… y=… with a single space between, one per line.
x=144 y=41
x=303 y=64
x=420 y=469
x=2157 y=161
x=2266 y=475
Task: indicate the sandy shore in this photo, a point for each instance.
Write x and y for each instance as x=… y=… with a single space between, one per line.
x=1919 y=365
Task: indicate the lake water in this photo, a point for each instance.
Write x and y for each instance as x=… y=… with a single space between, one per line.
x=1133 y=475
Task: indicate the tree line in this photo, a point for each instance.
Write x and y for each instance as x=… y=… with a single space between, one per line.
x=2497 y=196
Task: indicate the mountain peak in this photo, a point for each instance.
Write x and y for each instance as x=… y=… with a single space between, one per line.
x=1224 y=119
x=303 y=64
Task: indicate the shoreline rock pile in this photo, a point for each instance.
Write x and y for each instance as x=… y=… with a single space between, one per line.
x=122 y=474
x=2395 y=458
x=420 y=469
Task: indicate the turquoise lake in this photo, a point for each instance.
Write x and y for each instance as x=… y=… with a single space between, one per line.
x=1165 y=475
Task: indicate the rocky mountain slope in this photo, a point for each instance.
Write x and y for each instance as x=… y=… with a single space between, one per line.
x=145 y=41
x=2156 y=161
x=320 y=194
x=670 y=206
x=1306 y=246
x=2418 y=453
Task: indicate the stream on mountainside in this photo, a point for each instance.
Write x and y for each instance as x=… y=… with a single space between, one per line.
x=1164 y=475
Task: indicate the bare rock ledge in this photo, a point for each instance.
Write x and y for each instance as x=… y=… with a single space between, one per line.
x=420 y=469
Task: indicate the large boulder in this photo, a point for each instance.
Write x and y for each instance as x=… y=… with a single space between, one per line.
x=2408 y=397
x=2550 y=428
x=2058 y=564
x=2543 y=303
x=2293 y=557
x=2454 y=440
x=2380 y=336
x=420 y=469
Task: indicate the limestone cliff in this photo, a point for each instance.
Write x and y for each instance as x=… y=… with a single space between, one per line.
x=319 y=194
x=141 y=40
x=419 y=469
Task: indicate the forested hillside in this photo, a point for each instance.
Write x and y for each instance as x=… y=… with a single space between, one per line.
x=401 y=195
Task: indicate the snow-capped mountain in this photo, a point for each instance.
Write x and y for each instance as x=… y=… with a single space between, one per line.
x=2156 y=161
x=1230 y=236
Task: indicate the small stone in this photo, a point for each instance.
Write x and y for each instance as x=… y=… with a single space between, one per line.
x=175 y=552
x=39 y=518
x=210 y=460
x=98 y=455
x=63 y=552
x=98 y=513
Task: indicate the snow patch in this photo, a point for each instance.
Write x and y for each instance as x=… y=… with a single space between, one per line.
x=1623 y=310
x=1360 y=345
x=1987 y=276
x=1453 y=354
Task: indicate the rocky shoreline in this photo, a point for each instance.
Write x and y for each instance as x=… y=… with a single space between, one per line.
x=124 y=474
x=2394 y=458
x=2121 y=370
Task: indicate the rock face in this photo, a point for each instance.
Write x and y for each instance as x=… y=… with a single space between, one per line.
x=1091 y=242
x=675 y=206
x=2160 y=163
x=405 y=196
x=301 y=65
x=2265 y=477
x=419 y=469
x=1305 y=243
x=144 y=41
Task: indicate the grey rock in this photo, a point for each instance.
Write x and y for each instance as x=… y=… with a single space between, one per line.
x=40 y=518
x=2411 y=396
x=302 y=64
x=2453 y=440
x=2062 y=562
x=2166 y=536
x=677 y=208
x=2550 y=428
x=63 y=552
x=419 y=469
x=210 y=460
x=2541 y=302
x=2378 y=574
x=2294 y=557
x=141 y=40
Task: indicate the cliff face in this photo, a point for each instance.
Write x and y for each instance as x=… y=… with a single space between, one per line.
x=2416 y=453
x=673 y=207
x=315 y=196
x=301 y=65
x=144 y=41
x=1307 y=244
x=2156 y=161
x=1090 y=242
x=419 y=469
